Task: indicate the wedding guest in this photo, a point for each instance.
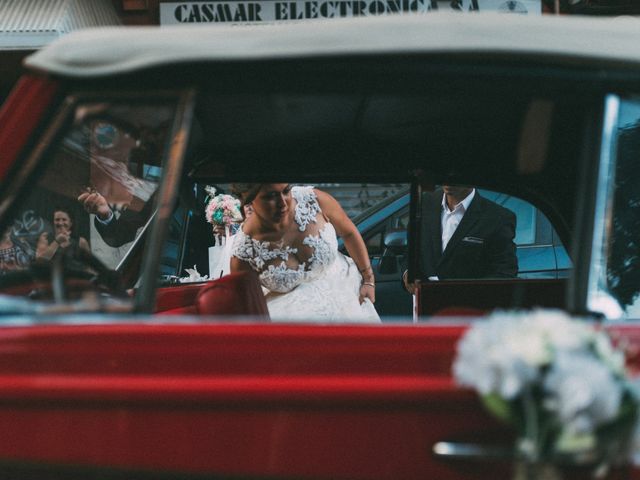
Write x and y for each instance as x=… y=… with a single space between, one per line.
x=465 y=236
x=12 y=256
x=120 y=197
x=63 y=240
x=115 y=227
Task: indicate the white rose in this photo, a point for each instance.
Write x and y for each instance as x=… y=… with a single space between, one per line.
x=582 y=391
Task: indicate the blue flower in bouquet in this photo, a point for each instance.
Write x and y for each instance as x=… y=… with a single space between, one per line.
x=218 y=217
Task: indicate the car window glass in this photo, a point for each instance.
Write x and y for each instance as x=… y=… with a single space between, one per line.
x=374 y=244
x=398 y=221
x=624 y=248
x=173 y=247
x=544 y=232
x=401 y=221
x=524 y=211
x=526 y=215
x=107 y=164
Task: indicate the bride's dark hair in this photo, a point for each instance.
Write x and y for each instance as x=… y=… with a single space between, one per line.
x=246 y=192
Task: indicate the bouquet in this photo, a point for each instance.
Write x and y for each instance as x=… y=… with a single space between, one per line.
x=222 y=211
x=560 y=382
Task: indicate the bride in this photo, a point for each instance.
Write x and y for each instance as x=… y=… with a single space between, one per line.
x=290 y=241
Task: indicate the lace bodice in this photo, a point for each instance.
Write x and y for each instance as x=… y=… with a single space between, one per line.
x=295 y=259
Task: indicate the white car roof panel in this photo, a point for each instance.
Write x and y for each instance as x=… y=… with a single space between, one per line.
x=557 y=39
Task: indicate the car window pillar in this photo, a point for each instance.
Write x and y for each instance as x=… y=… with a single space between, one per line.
x=591 y=250
x=167 y=198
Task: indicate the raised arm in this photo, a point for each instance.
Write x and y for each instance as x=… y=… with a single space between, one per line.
x=352 y=241
x=44 y=249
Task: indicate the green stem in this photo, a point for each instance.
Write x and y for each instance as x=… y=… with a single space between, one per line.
x=531 y=426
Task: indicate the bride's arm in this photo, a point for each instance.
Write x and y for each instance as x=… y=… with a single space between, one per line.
x=352 y=241
x=237 y=265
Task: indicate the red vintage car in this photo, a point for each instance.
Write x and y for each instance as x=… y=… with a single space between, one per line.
x=110 y=367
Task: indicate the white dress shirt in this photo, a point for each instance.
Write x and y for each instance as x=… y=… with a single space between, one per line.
x=452 y=218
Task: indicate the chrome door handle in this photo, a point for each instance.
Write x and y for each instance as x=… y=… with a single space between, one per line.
x=472 y=451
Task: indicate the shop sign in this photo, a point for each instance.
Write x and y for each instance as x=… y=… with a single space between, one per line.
x=266 y=11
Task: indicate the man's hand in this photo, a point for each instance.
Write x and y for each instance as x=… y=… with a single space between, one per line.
x=95 y=203
x=410 y=287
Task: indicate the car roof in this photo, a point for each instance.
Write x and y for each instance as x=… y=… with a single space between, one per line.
x=547 y=38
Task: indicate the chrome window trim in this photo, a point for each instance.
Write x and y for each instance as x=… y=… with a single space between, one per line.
x=534 y=245
x=167 y=198
x=599 y=300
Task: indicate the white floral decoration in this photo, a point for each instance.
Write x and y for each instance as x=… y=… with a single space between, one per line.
x=323 y=254
x=258 y=253
x=583 y=392
x=307 y=206
x=559 y=379
x=282 y=278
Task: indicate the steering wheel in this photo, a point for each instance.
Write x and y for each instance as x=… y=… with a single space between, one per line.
x=84 y=267
x=104 y=278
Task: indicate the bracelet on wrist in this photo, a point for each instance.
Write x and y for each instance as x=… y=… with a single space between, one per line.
x=369 y=283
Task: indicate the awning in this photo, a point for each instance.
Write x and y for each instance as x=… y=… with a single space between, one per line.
x=31 y=24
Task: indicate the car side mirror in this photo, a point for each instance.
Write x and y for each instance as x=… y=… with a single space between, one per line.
x=395 y=244
x=396 y=241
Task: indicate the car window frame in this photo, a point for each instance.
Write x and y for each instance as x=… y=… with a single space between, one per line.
x=588 y=285
x=173 y=165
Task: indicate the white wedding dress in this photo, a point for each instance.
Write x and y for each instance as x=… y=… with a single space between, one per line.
x=311 y=280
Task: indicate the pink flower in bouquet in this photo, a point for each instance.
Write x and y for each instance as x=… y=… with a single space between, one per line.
x=222 y=210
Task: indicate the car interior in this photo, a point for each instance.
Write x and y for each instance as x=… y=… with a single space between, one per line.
x=359 y=142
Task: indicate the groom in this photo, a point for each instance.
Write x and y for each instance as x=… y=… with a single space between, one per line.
x=465 y=236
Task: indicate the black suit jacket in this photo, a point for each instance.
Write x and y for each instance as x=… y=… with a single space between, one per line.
x=481 y=247
x=123 y=228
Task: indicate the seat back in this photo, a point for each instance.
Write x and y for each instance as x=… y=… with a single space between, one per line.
x=177 y=300
x=234 y=294
x=472 y=297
